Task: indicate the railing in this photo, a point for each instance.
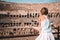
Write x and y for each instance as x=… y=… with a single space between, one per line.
x=12 y=36
x=19 y=35
x=58 y=29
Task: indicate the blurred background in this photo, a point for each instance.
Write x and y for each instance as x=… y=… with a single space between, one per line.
x=18 y=16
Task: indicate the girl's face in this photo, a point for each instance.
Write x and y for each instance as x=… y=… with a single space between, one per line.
x=42 y=11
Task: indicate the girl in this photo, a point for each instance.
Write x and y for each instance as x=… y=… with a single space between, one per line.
x=44 y=28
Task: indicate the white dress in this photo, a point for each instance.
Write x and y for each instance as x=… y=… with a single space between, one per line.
x=46 y=33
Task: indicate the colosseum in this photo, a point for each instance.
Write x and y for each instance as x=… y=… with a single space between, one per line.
x=16 y=20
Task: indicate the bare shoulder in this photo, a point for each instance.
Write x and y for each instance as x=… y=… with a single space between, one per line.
x=43 y=17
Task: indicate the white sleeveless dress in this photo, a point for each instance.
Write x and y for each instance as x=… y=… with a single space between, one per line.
x=46 y=33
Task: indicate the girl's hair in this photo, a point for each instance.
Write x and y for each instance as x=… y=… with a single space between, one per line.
x=46 y=10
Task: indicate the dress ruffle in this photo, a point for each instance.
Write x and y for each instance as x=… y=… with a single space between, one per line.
x=45 y=36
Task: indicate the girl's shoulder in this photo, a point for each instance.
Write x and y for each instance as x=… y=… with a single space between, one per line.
x=42 y=18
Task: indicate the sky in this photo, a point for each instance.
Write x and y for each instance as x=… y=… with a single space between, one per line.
x=33 y=1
